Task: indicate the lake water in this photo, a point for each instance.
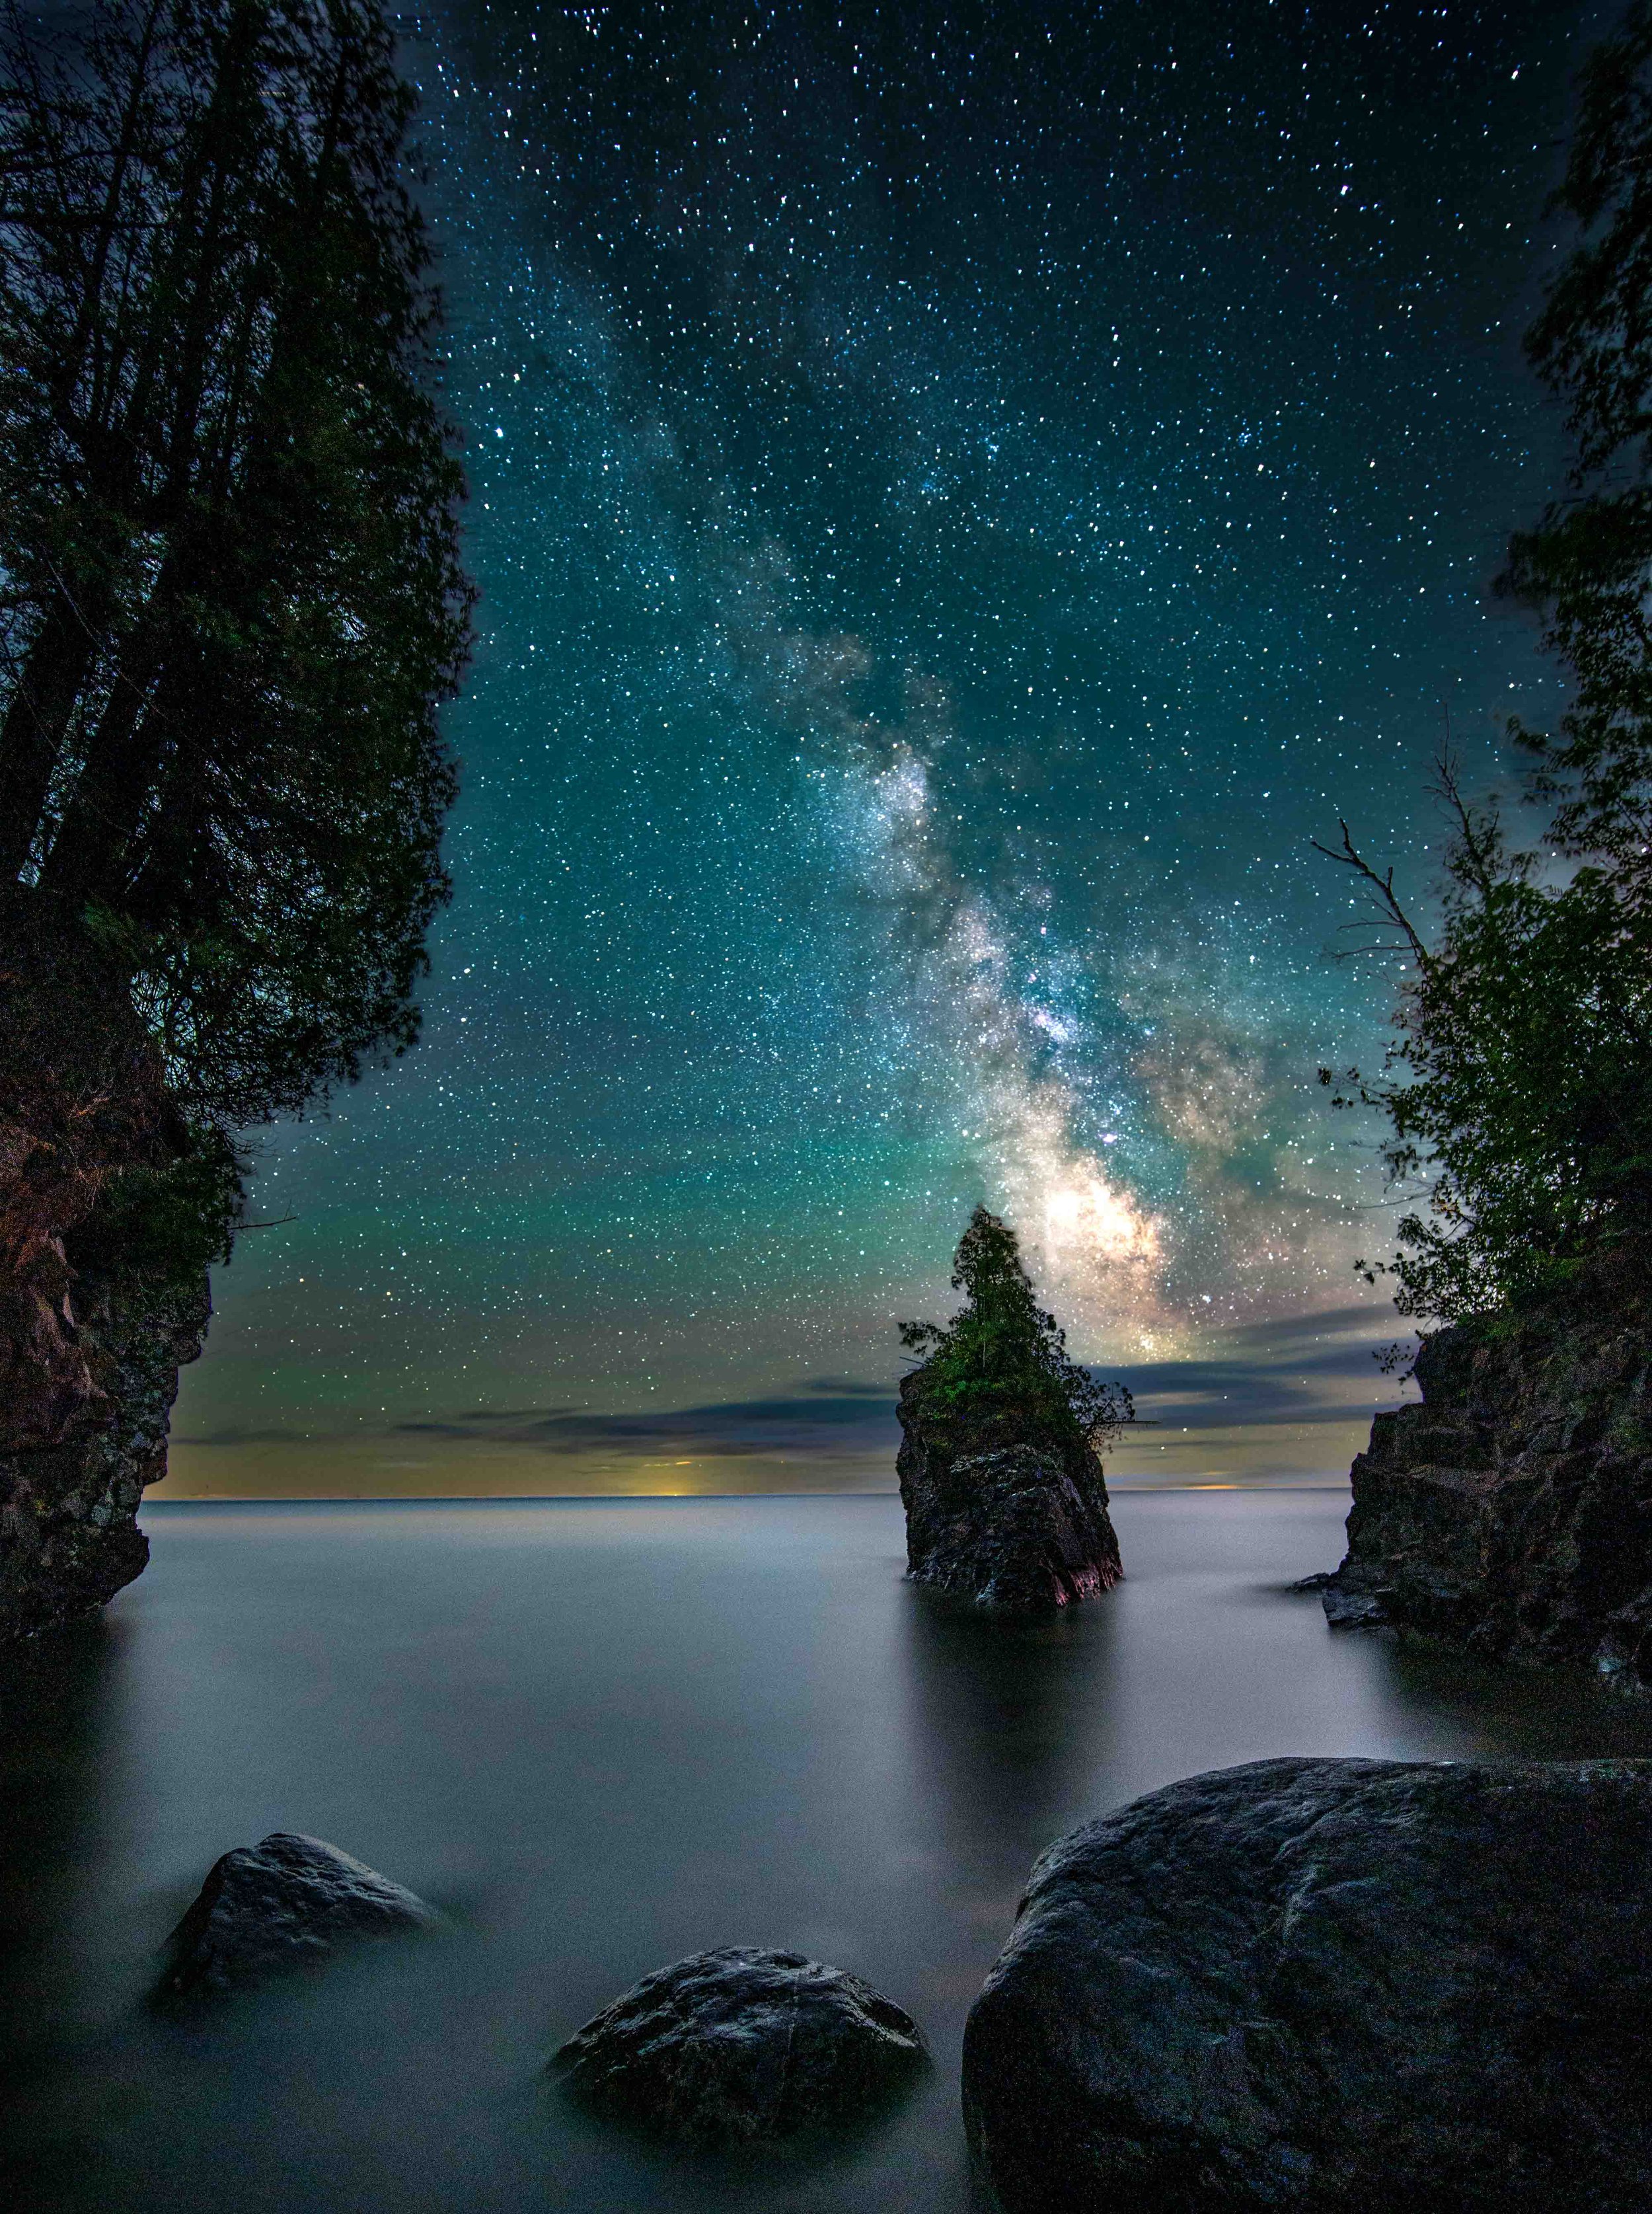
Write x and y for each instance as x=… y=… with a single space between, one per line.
x=602 y=1735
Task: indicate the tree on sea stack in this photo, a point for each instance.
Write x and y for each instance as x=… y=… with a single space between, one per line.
x=1001 y=1477
x=1002 y=1358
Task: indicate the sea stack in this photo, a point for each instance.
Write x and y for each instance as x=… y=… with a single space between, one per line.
x=1006 y=1501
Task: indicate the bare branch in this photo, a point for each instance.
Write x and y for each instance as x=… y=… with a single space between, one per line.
x=1347 y=856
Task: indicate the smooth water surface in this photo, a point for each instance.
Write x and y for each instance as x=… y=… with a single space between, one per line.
x=602 y=1735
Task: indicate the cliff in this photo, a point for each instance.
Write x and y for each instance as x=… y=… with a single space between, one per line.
x=1510 y=1511
x=96 y=1314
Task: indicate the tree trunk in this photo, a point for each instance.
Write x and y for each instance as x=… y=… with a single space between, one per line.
x=54 y=671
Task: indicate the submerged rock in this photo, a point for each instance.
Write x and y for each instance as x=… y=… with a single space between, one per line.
x=1511 y=1511
x=285 y=1901
x=1315 y=1985
x=743 y=2044
x=1014 y=1527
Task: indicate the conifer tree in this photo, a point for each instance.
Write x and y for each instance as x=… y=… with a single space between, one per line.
x=1002 y=1361
x=231 y=602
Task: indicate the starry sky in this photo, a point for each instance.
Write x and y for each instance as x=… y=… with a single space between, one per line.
x=961 y=495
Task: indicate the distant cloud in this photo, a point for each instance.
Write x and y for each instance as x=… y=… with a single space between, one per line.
x=1314 y=1368
x=836 y=1416
x=1310 y=1371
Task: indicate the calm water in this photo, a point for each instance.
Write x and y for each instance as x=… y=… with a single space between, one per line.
x=601 y=1736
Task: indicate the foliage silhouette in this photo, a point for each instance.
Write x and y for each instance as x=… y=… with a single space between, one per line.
x=1000 y=1369
x=1518 y=1090
x=230 y=597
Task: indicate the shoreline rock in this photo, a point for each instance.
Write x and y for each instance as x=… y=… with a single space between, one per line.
x=741 y=2044
x=1510 y=1511
x=1312 y=1985
x=68 y=1534
x=92 y=1334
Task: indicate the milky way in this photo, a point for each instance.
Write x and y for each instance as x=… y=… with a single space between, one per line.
x=961 y=496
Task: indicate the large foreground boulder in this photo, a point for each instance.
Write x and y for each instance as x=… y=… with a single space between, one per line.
x=741 y=2044
x=1318 y=1984
x=1510 y=1511
x=281 y=1903
x=1012 y=1527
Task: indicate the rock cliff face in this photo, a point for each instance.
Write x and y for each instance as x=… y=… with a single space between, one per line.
x=91 y=1336
x=69 y=1498
x=1014 y=1525
x=1511 y=1511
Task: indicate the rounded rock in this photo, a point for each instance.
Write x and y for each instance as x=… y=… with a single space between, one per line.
x=741 y=2044
x=1313 y=1984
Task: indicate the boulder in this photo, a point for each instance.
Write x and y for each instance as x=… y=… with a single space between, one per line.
x=1319 y=1984
x=1510 y=1510
x=1012 y=1527
x=743 y=2044
x=286 y=1901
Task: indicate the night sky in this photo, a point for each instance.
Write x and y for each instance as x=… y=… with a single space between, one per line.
x=960 y=496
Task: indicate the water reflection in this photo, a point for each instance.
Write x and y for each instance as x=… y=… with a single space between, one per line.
x=603 y=1736
x=1012 y=1726
x=55 y=1717
x=1467 y=1707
